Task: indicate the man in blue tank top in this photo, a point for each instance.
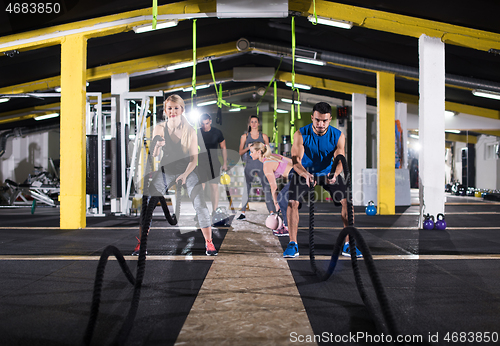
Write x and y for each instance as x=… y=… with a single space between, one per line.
x=314 y=148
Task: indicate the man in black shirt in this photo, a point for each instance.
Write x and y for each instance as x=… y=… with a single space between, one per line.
x=208 y=162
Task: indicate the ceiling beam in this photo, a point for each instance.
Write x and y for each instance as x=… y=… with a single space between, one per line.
x=130 y=66
x=400 y=24
x=104 y=26
x=452 y=137
x=315 y=82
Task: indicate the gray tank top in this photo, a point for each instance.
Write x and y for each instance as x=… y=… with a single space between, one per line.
x=246 y=157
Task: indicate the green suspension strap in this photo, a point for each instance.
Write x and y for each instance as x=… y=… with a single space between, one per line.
x=193 y=82
x=220 y=101
x=155 y=13
x=314 y=12
x=292 y=113
x=275 y=129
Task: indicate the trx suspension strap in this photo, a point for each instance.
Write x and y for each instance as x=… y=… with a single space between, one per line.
x=314 y=13
x=193 y=82
x=292 y=113
x=155 y=13
x=275 y=116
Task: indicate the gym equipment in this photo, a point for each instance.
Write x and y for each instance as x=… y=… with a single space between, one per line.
x=225 y=179
x=371 y=209
x=354 y=238
x=41 y=187
x=440 y=222
x=274 y=221
x=429 y=222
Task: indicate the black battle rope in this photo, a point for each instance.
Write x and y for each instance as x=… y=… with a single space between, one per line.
x=148 y=206
x=355 y=238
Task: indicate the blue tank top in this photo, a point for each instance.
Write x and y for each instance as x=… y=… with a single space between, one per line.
x=319 y=150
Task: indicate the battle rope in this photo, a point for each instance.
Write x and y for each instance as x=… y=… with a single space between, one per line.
x=148 y=206
x=355 y=238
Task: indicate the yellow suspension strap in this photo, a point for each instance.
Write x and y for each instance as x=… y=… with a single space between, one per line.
x=155 y=13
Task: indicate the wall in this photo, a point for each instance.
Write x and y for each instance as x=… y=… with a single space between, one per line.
x=24 y=153
x=487 y=163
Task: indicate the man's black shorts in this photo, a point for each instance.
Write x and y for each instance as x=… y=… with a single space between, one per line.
x=299 y=191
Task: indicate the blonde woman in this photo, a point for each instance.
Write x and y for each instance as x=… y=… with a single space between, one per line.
x=274 y=166
x=178 y=141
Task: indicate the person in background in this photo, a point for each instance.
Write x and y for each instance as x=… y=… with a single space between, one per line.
x=252 y=167
x=208 y=162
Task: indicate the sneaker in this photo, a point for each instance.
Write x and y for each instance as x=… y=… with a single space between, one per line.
x=346 y=251
x=241 y=217
x=138 y=248
x=281 y=232
x=292 y=250
x=211 y=251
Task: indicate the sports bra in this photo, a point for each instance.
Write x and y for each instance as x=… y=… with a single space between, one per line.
x=281 y=166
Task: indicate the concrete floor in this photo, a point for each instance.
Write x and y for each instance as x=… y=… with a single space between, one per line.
x=441 y=285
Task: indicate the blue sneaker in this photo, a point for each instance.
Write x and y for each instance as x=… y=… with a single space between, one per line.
x=292 y=250
x=346 y=251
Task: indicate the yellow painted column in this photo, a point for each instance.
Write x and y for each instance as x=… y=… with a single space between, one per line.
x=73 y=148
x=386 y=161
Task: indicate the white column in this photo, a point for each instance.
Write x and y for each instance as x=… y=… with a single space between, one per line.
x=401 y=115
x=431 y=126
x=119 y=85
x=358 y=151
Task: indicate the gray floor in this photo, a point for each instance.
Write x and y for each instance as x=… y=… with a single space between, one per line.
x=437 y=282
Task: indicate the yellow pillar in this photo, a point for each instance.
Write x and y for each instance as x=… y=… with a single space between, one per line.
x=73 y=148
x=386 y=161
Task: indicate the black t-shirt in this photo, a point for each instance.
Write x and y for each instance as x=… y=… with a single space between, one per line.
x=212 y=138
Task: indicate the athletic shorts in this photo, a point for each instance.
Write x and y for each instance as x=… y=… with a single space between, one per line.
x=299 y=191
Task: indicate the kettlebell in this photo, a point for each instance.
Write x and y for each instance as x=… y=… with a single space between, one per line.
x=371 y=209
x=429 y=222
x=225 y=179
x=440 y=222
x=274 y=221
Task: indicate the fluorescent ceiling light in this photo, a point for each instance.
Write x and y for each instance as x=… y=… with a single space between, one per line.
x=149 y=27
x=331 y=22
x=290 y=101
x=281 y=111
x=452 y=131
x=47 y=116
x=235 y=110
x=198 y=87
x=179 y=65
x=413 y=136
x=297 y=85
x=450 y=113
x=486 y=93
x=4 y=99
x=206 y=103
x=311 y=61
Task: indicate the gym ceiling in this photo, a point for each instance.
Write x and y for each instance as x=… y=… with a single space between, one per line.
x=384 y=37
